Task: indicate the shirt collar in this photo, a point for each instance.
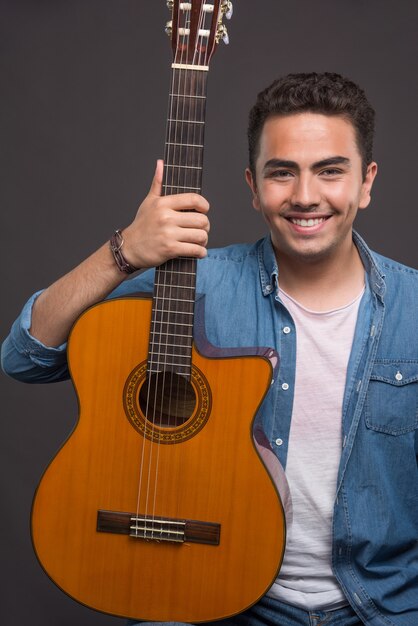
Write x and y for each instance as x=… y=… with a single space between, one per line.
x=269 y=270
x=267 y=263
x=375 y=275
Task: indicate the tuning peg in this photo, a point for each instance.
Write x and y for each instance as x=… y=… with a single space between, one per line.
x=227 y=9
x=170 y=4
x=222 y=33
x=169 y=28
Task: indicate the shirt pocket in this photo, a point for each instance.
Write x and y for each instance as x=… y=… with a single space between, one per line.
x=392 y=397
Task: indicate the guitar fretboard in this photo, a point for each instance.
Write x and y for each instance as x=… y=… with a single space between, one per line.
x=175 y=281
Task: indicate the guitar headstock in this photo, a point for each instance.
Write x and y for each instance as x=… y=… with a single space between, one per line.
x=195 y=29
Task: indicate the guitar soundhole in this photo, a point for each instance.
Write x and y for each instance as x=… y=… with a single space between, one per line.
x=166 y=407
x=167 y=399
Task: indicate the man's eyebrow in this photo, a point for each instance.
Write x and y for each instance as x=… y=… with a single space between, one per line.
x=335 y=160
x=272 y=163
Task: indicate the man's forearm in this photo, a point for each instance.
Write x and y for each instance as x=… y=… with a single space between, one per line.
x=57 y=308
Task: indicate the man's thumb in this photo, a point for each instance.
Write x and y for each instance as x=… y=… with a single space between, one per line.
x=157 y=181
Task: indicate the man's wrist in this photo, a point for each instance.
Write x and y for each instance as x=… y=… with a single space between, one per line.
x=116 y=244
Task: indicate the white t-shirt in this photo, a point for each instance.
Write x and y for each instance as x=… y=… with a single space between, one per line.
x=324 y=341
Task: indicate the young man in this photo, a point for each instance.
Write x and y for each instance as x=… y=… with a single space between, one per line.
x=343 y=412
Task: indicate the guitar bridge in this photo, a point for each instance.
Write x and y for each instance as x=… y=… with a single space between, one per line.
x=158 y=529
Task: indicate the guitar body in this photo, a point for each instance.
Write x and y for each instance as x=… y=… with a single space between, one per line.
x=205 y=470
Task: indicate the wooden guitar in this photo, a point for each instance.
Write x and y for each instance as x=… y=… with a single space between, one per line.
x=158 y=506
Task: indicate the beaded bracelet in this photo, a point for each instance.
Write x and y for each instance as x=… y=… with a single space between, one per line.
x=116 y=244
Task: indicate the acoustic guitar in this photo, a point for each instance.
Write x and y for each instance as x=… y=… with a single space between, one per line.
x=158 y=506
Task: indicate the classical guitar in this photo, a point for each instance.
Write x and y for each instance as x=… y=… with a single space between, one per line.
x=158 y=506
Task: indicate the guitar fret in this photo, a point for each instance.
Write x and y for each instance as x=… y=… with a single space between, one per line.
x=187 y=145
x=182 y=287
x=186 y=95
x=181 y=187
x=169 y=354
x=158 y=332
x=186 y=133
x=179 y=272
x=166 y=344
x=186 y=167
x=164 y=307
x=174 y=275
x=166 y=292
x=171 y=312
x=164 y=299
x=165 y=303
x=171 y=323
x=161 y=368
x=170 y=119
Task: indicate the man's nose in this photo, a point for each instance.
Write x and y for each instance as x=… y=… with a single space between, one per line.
x=306 y=192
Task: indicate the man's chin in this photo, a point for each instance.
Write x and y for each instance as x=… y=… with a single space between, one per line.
x=305 y=254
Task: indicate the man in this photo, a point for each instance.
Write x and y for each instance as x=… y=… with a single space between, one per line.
x=343 y=412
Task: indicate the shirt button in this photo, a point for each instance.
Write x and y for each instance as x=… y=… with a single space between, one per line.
x=285 y=386
x=286 y=330
x=398 y=375
x=269 y=288
x=279 y=442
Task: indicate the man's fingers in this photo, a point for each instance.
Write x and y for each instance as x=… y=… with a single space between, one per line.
x=192 y=235
x=187 y=202
x=193 y=220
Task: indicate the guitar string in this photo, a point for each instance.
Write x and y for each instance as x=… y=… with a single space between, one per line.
x=168 y=275
x=169 y=176
x=172 y=178
x=179 y=181
x=176 y=176
x=166 y=389
x=154 y=357
x=189 y=132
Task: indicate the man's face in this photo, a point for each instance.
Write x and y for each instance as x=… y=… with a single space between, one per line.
x=309 y=184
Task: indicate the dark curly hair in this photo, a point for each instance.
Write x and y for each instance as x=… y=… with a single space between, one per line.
x=327 y=93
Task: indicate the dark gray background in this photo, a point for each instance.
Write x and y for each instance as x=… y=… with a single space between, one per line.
x=83 y=104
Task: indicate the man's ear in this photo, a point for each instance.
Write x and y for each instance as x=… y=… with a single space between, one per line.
x=252 y=185
x=365 y=195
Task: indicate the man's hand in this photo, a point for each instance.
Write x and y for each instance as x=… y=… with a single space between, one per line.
x=166 y=227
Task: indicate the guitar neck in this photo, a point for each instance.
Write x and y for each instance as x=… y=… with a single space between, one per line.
x=175 y=281
x=183 y=157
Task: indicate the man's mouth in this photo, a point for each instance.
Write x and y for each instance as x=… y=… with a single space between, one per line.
x=307 y=222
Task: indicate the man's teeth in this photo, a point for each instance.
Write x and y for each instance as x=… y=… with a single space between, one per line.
x=309 y=222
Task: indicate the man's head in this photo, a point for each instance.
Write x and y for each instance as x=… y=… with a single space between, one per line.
x=311 y=166
x=328 y=94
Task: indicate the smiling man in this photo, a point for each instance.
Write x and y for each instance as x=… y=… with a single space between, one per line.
x=341 y=416
x=308 y=183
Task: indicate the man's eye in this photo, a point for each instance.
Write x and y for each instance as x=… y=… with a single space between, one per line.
x=280 y=174
x=331 y=172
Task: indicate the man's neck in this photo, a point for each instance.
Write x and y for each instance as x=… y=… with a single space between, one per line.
x=323 y=284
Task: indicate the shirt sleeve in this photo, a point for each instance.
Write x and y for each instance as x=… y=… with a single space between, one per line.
x=26 y=359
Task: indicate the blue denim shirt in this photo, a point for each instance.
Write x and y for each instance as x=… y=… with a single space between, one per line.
x=375 y=524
